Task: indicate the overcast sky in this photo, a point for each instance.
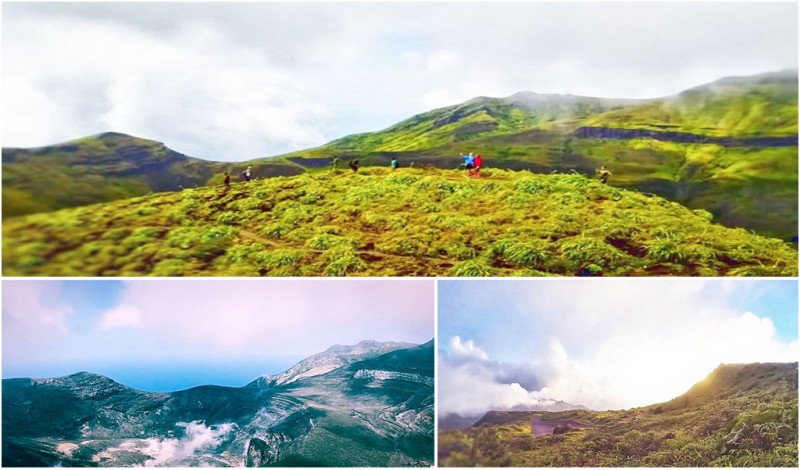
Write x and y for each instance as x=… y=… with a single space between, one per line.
x=168 y=335
x=606 y=344
x=241 y=81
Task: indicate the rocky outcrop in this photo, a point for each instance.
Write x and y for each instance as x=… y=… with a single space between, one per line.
x=260 y=453
x=614 y=133
x=391 y=375
x=336 y=356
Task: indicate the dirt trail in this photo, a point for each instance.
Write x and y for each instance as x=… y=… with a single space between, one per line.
x=543 y=428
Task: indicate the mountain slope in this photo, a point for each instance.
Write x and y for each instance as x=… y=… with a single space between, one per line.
x=335 y=357
x=379 y=222
x=478 y=117
x=729 y=147
x=755 y=106
x=107 y=167
x=332 y=419
x=741 y=415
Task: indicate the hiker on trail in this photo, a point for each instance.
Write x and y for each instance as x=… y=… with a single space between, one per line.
x=478 y=163
x=353 y=165
x=227 y=181
x=394 y=163
x=469 y=163
x=604 y=174
x=248 y=175
x=335 y=163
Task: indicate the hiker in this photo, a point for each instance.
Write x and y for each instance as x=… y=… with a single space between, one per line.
x=604 y=174
x=478 y=163
x=335 y=163
x=248 y=175
x=469 y=163
x=394 y=163
x=353 y=165
x=227 y=181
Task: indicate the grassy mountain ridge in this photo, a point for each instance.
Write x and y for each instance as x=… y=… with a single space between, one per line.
x=107 y=167
x=475 y=118
x=741 y=415
x=377 y=222
x=729 y=147
x=333 y=419
x=760 y=105
x=763 y=105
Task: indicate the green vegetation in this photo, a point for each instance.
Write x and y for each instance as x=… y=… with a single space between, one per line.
x=420 y=222
x=108 y=167
x=753 y=187
x=479 y=117
x=764 y=105
x=741 y=415
x=748 y=185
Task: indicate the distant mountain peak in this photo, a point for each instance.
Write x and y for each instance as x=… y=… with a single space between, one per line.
x=113 y=134
x=334 y=357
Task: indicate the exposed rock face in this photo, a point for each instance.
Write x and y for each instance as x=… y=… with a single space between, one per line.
x=613 y=133
x=390 y=375
x=260 y=453
x=336 y=356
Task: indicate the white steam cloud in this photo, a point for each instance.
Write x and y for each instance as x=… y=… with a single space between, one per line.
x=609 y=346
x=472 y=383
x=184 y=452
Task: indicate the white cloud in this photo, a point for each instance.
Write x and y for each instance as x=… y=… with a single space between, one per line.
x=273 y=318
x=617 y=344
x=123 y=316
x=198 y=91
x=31 y=324
x=466 y=348
x=439 y=98
x=473 y=383
x=239 y=81
x=198 y=438
x=446 y=59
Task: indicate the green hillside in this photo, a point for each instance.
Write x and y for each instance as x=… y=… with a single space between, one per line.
x=740 y=415
x=107 y=167
x=479 y=117
x=758 y=106
x=420 y=222
x=729 y=147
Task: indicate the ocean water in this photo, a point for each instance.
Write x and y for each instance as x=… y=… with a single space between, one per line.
x=163 y=376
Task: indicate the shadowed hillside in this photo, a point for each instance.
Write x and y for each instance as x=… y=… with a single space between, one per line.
x=107 y=167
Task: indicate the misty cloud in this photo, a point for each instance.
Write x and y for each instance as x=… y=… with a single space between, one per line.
x=605 y=345
x=184 y=452
x=474 y=383
x=238 y=81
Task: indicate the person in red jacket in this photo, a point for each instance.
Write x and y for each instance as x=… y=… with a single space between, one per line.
x=478 y=165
